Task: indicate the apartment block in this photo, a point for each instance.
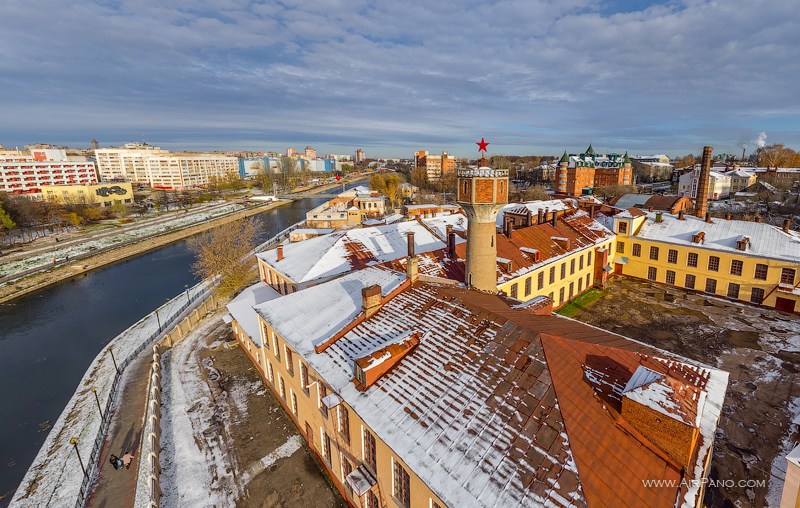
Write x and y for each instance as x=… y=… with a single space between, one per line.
x=26 y=174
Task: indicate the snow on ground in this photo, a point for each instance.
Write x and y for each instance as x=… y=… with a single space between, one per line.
x=291 y=445
x=45 y=259
x=778 y=470
x=197 y=467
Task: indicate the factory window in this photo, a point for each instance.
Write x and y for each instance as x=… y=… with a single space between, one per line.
x=670 y=277
x=580 y=285
x=552 y=274
x=654 y=253
x=572 y=266
x=304 y=377
x=651 y=273
x=561 y=296
x=589 y=257
x=289 y=361
x=689 y=281
x=588 y=279
x=563 y=270
x=571 y=290
x=580 y=263
x=326 y=447
x=528 y=286
x=713 y=263
x=322 y=393
x=672 y=256
x=620 y=247
x=711 y=286
x=692 y=260
x=761 y=272
x=294 y=402
x=514 y=290
x=757 y=295
x=370 y=454
x=282 y=387
x=344 y=423
x=637 y=250
x=540 y=280
x=733 y=290
x=372 y=499
x=736 y=267
x=787 y=276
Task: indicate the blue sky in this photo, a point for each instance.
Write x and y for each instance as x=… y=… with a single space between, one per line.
x=531 y=76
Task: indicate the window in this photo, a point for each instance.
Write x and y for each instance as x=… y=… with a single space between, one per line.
x=588 y=280
x=540 y=280
x=265 y=338
x=344 y=423
x=289 y=361
x=270 y=373
x=277 y=349
x=654 y=253
x=434 y=504
x=589 y=257
x=672 y=256
x=787 y=276
x=637 y=250
x=711 y=286
x=370 y=457
x=371 y=499
x=401 y=485
x=304 y=377
x=733 y=290
x=571 y=290
x=563 y=270
x=736 y=267
x=347 y=468
x=757 y=295
x=761 y=272
x=670 y=277
x=552 y=274
x=713 y=263
x=580 y=285
x=528 y=286
x=514 y=290
x=651 y=273
x=692 y=260
x=580 y=263
x=623 y=228
x=620 y=247
x=689 y=281
x=561 y=296
x=572 y=266
x=294 y=402
x=323 y=392
x=282 y=387
x=326 y=446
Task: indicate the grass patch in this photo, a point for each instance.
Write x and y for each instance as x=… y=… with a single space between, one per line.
x=581 y=302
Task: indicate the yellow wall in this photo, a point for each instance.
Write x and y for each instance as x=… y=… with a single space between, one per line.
x=554 y=290
x=278 y=281
x=638 y=266
x=115 y=192
x=791 y=486
x=309 y=413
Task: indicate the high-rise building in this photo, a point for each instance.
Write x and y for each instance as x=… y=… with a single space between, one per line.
x=582 y=173
x=291 y=152
x=26 y=173
x=310 y=152
x=436 y=166
x=360 y=157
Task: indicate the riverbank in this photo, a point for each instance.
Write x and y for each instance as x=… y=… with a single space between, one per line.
x=66 y=271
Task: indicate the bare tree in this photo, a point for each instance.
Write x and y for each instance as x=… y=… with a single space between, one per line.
x=226 y=252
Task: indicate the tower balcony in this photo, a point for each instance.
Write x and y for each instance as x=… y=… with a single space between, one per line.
x=482 y=173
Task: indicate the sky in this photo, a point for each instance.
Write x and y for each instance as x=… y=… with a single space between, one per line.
x=532 y=77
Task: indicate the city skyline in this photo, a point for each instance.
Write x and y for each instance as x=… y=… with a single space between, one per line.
x=532 y=77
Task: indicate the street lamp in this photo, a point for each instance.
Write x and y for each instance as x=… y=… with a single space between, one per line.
x=74 y=442
x=114 y=360
x=158 y=320
x=186 y=287
x=97 y=399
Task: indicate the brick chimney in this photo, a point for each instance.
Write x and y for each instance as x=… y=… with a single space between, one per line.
x=553 y=220
x=758 y=218
x=411 y=252
x=530 y=217
x=412 y=268
x=370 y=300
x=451 y=244
x=509 y=229
x=701 y=201
x=280 y=252
x=727 y=216
x=708 y=217
x=680 y=215
x=540 y=216
x=787 y=224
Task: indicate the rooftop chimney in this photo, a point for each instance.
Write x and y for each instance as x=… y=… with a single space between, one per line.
x=701 y=201
x=280 y=252
x=451 y=244
x=727 y=216
x=553 y=219
x=680 y=215
x=370 y=300
x=708 y=217
x=412 y=268
x=447 y=229
x=509 y=229
x=658 y=216
x=411 y=252
x=758 y=218
x=649 y=208
x=540 y=216
x=530 y=217
x=787 y=224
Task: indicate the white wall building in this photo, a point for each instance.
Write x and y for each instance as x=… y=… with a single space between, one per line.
x=719 y=185
x=21 y=174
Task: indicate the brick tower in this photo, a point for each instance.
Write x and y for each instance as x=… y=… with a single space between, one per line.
x=482 y=192
x=701 y=198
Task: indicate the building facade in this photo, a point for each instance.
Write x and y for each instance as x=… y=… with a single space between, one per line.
x=24 y=175
x=104 y=194
x=580 y=174
x=719 y=184
x=436 y=166
x=361 y=157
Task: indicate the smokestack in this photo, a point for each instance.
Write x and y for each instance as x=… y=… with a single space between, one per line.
x=540 y=216
x=787 y=224
x=701 y=201
x=411 y=244
x=280 y=252
x=451 y=244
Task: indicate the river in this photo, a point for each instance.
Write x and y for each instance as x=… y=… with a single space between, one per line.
x=49 y=338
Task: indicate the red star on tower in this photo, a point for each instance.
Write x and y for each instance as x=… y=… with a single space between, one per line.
x=482 y=144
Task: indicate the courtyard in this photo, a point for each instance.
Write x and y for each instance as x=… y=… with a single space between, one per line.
x=760 y=348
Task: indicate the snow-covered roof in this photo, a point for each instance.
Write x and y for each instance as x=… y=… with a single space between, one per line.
x=341 y=252
x=241 y=308
x=630 y=200
x=492 y=408
x=766 y=240
x=552 y=205
x=439 y=224
x=794 y=456
x=312 y=316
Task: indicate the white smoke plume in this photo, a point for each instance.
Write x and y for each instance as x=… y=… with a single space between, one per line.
x=761 y=140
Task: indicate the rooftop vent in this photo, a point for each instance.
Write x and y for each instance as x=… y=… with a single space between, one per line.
x=533 y=254
x=562 y=242
x=369 y=368
x=280 y=252
x=699 y=237
x=742 y=243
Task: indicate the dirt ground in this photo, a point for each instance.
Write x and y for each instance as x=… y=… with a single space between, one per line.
x=760 y=348
x=249 y=449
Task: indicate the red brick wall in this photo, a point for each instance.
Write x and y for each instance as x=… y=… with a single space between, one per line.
x=484 y=190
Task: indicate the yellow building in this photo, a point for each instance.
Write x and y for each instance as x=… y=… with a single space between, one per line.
x=104 y=194
x=791 y=485
x=746 y=261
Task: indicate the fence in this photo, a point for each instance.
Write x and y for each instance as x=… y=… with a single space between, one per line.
x=283 y=235
x=62 y=475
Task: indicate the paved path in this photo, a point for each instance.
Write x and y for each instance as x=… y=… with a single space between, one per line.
x=117 y=488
